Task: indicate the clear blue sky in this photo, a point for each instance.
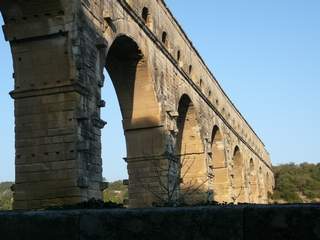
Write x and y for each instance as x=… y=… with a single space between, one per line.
x=265 y=54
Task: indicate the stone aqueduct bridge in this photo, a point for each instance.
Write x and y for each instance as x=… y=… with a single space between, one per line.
x=175 y=114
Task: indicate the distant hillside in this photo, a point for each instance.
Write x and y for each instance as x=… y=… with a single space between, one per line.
x=5 y=196
x=116 y=192
x=297 y=183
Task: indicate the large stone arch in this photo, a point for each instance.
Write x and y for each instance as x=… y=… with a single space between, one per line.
x=238 y=183
x=269 y=185
x=219 y=166
x=261 y=184
x=190 y=150
x=253 y=182
x=130 y=73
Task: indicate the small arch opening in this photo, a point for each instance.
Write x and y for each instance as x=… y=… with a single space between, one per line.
x=164 y=38
x=178 y=55
x=190 y=69
x=251 y=165
x=145 y=14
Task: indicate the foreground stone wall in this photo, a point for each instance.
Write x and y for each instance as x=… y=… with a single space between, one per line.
x=182 y=131
x=218 y=223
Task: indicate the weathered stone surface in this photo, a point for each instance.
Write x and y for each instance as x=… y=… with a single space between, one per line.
x=205 y=223
x=175 y=114
x=39 y=225
x=158 y=224
x=282 y=222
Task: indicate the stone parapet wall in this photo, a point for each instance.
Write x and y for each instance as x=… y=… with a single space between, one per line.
x=199 y=223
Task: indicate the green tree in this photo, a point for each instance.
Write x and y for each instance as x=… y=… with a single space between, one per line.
x=297 y=183
x=116 y=192
x=6 y=196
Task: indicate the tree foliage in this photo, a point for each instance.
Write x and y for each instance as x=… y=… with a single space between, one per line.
x=6 y=197
x=297 y=183
x=116 y=192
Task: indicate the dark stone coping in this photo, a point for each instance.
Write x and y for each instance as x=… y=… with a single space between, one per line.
x=244 y=222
